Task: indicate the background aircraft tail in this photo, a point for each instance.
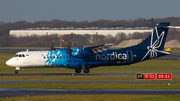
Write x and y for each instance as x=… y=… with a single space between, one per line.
x=156 y=40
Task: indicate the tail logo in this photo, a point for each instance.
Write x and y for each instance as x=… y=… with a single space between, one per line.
x=153 y=48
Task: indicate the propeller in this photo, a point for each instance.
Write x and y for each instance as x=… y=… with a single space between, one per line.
x=69 y=45
x=52 y=45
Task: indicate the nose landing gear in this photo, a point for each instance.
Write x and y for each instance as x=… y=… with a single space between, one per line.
x=17 y=70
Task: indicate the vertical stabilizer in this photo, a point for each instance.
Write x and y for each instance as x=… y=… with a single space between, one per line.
x=156 y=40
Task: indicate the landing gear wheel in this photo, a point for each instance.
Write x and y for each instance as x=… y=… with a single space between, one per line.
x=86 y=70
x=78 y=70
x=16 y=71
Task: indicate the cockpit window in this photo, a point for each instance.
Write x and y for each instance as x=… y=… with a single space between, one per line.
x=16 y=55
x=19 y=55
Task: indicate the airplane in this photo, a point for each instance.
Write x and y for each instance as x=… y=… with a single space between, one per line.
x=94 y=56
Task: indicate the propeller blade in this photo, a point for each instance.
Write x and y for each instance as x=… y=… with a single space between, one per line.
x=52 y=45
x=69 y=45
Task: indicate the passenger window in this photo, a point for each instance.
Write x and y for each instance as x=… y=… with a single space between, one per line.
x=63 y=56
x=51 y=56
x=44 y=57
x=48 y=57
x=57 y=57
x=60 y=56
x=54 y=56
x=67 y=56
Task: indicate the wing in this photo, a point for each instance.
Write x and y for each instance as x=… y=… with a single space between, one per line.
x=82 y=51
x=98 y=48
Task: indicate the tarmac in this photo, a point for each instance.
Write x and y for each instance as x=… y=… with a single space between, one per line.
x=9 y=92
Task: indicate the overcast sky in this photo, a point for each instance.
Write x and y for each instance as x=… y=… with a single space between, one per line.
x=90 y=10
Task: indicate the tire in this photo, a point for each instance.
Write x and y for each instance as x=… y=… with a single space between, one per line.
x=78 y=70
x=86 y=70
x=16 y=71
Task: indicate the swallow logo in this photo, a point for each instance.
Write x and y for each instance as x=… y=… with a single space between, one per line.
x=153 y=47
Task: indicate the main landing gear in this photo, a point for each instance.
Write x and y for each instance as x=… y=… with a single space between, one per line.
x=85 y=70
x=78 y=70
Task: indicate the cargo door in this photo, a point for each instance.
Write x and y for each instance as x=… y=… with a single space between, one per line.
x=129 y=56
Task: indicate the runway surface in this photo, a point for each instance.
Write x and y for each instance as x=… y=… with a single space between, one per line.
x=4 y=92
x=59 y=74
x=172 y=56
x=6 y=82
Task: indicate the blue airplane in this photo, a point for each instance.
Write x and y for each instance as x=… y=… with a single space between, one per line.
x=94 y=56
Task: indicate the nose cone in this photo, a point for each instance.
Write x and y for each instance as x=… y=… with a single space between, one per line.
x=9 y=63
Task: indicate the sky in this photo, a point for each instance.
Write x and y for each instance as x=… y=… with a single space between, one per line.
x=86 y=10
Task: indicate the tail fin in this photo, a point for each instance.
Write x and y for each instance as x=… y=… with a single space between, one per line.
x=156 y=40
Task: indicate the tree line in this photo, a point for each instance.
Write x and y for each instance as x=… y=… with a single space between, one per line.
x=81 y=40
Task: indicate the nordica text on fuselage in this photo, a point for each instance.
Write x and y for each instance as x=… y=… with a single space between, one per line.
x=113 y=56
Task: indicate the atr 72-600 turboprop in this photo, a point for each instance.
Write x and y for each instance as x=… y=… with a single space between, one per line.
x=94 y=56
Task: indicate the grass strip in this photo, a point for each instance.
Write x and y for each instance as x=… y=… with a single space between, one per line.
x=76 y=78
x=68 y=78
x=94 y=85
x=95 y=98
